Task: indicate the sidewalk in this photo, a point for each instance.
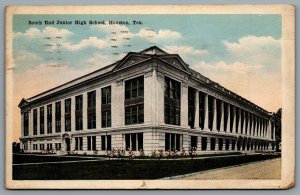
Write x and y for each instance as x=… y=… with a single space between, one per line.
x=268 y=169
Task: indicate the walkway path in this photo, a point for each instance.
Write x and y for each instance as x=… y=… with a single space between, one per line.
x=269 y=169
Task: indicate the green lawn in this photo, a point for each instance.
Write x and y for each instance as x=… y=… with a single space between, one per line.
x=121 y=169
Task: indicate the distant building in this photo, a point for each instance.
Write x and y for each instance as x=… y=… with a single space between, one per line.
x=148 y=100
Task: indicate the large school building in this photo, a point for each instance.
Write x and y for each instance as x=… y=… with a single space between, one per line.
x=149 y=100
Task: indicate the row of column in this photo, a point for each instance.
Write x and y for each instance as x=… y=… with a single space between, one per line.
x=231 y=118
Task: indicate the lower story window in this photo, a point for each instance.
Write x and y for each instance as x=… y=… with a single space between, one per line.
x=220 y=144
x=203 y=143
x=106 y=142
x=78 y=143
x=58 y=146
x=49 y=146
x=194 y=141
x=134 y=141
x=227 y=144
x=212 y=143
x=42 y=147
x=172 y=141
x=91 y=143
x=233 y=144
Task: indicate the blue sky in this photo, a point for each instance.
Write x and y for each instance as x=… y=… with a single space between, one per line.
x=241 y=52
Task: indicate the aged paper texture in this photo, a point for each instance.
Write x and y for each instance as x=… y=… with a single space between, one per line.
x=150 y=97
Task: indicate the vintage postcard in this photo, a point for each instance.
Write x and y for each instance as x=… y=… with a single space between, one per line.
x=150 y=97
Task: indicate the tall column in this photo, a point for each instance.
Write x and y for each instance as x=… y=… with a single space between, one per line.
x=98 y=109
x=239 y=122
x=53 y=117
x=120 y=112
x=148 y=96
x=46 y=119
x=22 y=124
x=234 y=119
x=196 y=122
x=273 y=131
x=252 y=125
x=214 y=127
x=62 y=117
x=269 y=129
x=84 y=111
x=228 y=118
x=206 y=113
x=159 y=98
x=73 y=113
x=248 y=124
x=38 y=121
x=184 y=106
x=222 y=117
x=114 y=104
x=30 y=123
x=256 y=126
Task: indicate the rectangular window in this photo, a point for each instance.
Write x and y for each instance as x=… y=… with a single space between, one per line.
x=220 y=143
x=134 y=88
x=203 y=143
x=201 y=110
x=227 y=144
x=91 y=110
x=219 y=113
x=106 y=118
x=134 y=141
x=210 y=112
x=172 y=141
x=49 y=119
x=106 y=106
x=237 y=119
x=172 y=101
x=78 y=112
x=194 y=141
x=233 y=142
x=226 y=112
x=191 y=107
x=57 y=146
x=212 y=143
x=35 y=122
x=134 y=101
x=91 y=143
x=68 y=115
x=57 y=117
x=106 y=142
x=26 y=123
x=42 y=120
x=134 y=114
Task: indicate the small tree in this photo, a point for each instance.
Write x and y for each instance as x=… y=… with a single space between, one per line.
x=277 y=119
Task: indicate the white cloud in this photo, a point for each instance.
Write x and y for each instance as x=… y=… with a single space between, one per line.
x=46 y=32
x=90 y=42
x=263 y=50
x=221 y=66
x=185 y=50
x=163 y=34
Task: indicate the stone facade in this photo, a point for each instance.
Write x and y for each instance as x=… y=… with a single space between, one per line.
x=213 y=120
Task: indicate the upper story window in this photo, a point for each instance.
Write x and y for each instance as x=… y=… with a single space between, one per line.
x=26 y=123
x=91 y=110
x=106 y=106
x=172 y=101
x=42 y=120
x=35 y=122
x=49 y=118
x=134 y=88
x=78 y=112
x=57 y=117
x=106 y=95
x=68 y=115
x=134 y=101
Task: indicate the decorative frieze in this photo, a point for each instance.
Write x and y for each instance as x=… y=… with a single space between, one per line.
x=148 y=74
x=159 y=74
x=119 y=82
